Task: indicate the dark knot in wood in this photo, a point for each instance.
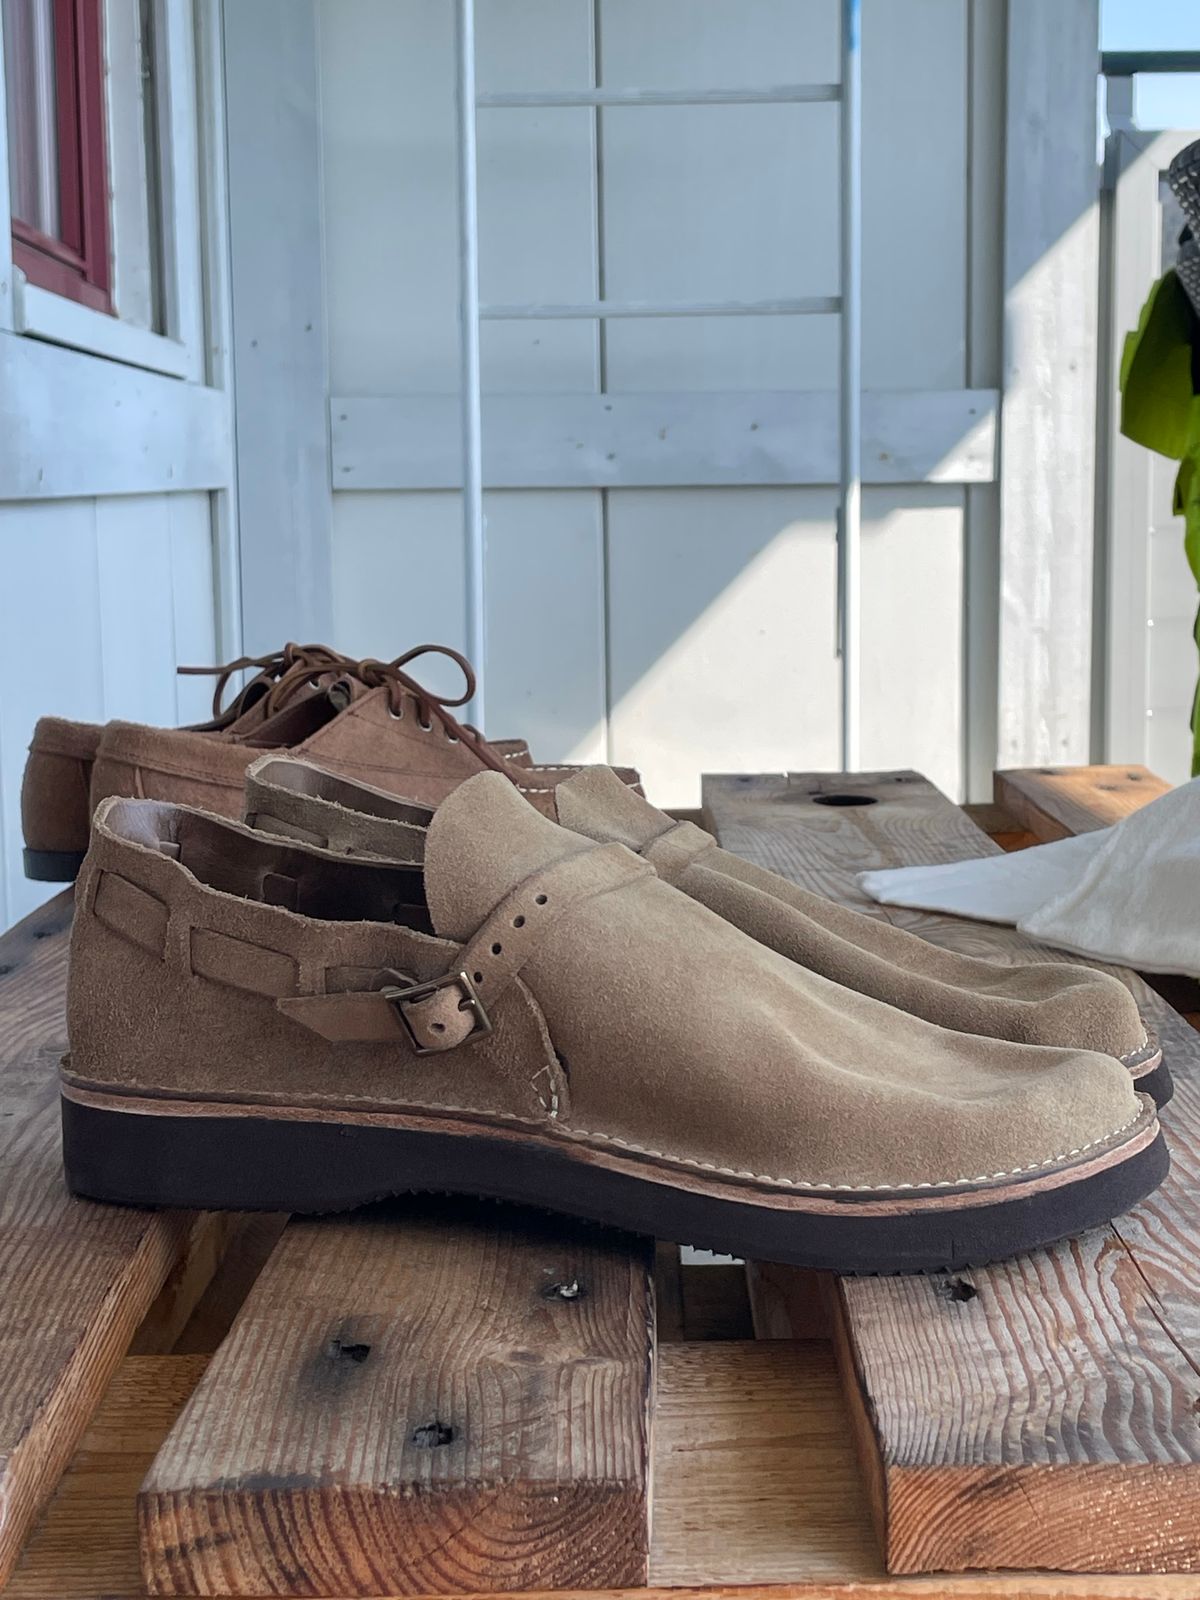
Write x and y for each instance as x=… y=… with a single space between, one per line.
x=431 y=1434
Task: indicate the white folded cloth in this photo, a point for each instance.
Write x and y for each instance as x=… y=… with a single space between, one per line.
x=1129 y=894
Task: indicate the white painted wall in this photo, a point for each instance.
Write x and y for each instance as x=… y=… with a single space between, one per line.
x=116 y=463
x=680 y=629
x=101 y=599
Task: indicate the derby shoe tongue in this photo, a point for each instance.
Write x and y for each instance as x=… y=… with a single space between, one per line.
x=485 y=839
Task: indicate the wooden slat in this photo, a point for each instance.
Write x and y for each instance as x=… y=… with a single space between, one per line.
x=754 y=1478
x=188 y=1284
x=428 y=1398
x=1048 y=320
x=638 y=440
x=1042 y=1412
x=788 y=1302
x=1058 y=802
x=86 y=1544
x=75 y=1278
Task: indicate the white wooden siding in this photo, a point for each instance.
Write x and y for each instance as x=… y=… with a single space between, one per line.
x=680 y=629
x=117 y=523
x=101 y=600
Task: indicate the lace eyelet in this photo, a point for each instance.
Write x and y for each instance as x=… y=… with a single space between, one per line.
x=451 y=738
x=425 y=727
x=396 y=716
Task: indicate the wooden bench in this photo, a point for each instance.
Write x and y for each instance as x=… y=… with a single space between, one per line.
x=454 y=1397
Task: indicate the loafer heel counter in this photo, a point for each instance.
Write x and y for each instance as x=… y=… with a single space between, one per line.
x=55 y=814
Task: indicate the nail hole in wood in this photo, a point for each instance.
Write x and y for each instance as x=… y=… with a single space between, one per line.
x=569 y=1289
x=845 y=800
x=432 y=1434
x=960 y=1290
x=340 y=1350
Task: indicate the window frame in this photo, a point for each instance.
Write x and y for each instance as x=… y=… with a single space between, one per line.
x=191 y=174
x=77 y=265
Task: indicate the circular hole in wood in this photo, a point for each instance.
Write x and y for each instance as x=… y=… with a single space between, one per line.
x=845 y=800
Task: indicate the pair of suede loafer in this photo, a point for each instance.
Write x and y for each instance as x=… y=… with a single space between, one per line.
x=588 y=1007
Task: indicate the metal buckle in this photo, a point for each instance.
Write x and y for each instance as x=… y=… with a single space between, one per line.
x=471 y=1002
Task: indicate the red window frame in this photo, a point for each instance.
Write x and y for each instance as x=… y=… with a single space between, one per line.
x=77 y=264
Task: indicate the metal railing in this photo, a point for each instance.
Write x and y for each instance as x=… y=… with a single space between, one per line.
x=1121 y=67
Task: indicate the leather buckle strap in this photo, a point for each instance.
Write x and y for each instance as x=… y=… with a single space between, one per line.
x=442 y=1013
x=401 y=999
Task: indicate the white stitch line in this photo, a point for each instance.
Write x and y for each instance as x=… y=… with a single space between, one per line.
x=1145 y=1044
x=581 y=1134
x=737 y=1172
x=797 y=1183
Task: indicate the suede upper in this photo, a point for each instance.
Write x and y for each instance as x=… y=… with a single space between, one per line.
x=57 y=783
x=212 y=962
x=366 y=719
x=1036 y=1003
x=1053 y=1003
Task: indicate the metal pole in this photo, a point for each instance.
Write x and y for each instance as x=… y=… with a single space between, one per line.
x=474 y=537
x=850 y=384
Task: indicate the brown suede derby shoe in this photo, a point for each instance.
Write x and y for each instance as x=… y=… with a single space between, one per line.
x=530 y=1015
x=368 y=719
x=1052 y=1003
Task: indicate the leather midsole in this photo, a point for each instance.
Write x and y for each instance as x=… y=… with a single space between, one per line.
x=1122 y=1145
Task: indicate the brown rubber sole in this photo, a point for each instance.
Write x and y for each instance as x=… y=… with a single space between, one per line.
x=53 y=866
x=212 y=1156
x=1154 y=1078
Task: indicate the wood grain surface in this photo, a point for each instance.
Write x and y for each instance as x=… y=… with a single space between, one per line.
x=788 y=1302
x=753 y=1466
x=1059 y=802
x=75 y=1278
x=433 y=1397
x=1040 y=1413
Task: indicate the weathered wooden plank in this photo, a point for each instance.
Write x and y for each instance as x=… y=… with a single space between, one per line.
x=188 y=1283
x=754 y=1474
x=1048 y=410
x=65 y=431
x=280 y=365
x=1042 y=1412
x=788 y=1302
x=86 y=1543
x=572 y=441
x=1058 y=802
x=431 y=1398
x=755 y=1477
x=75 y=1278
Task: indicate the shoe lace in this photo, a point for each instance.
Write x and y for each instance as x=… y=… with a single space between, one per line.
x=280 y=676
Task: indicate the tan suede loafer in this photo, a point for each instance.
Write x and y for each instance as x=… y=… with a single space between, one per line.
x=530 y=1015
x=1051 y=1003
x=369 y=719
